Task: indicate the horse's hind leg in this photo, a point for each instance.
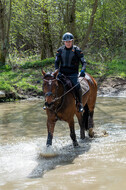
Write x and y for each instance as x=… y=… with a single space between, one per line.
x=72 y=133
x=91 y=106
x=81 y=122
x=91 y=124
x=85 y=116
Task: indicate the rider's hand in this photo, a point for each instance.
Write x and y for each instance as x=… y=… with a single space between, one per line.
x=82 y=73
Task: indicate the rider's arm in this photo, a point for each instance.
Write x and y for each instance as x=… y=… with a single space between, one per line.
x=81 y=56
x=58 y=59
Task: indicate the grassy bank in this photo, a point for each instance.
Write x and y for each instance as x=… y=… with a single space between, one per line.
x=24 y=80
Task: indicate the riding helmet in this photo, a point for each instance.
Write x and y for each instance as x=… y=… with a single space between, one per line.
x=68 y=37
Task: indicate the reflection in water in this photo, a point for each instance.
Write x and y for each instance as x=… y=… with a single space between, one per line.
x=98 y=164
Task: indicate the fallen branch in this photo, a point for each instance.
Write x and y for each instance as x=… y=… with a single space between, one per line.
x=119 y=84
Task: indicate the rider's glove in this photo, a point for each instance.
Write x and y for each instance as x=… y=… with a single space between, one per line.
x=82 y=73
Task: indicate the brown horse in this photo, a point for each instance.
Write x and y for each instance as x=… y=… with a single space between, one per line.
x=61 y=105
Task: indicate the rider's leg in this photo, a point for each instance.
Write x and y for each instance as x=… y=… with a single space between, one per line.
x=78 y=91
x=79 y=97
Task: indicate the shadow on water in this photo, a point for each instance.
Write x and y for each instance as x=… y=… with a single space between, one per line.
x=66 y=155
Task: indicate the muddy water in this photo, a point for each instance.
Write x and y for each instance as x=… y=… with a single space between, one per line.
x=98 y=164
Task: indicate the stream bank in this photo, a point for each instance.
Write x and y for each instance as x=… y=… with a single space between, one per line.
x=111 y=86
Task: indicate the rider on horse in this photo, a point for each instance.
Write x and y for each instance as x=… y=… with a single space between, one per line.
x=67 y=61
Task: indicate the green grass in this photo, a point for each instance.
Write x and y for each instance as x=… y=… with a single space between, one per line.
x=38 y=64
x=117 y=68
x=16 y=81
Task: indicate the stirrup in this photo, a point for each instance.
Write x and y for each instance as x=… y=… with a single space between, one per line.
x=44 y=107
x=80 y=108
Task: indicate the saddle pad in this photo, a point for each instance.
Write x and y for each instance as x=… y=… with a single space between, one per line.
x=84 y=85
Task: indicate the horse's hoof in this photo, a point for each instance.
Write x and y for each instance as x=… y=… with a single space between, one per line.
x=48 y=145
x=82 y=137
x=75 y=144
x=91 y=133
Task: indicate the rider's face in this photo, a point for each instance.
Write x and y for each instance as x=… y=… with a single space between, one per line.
x=68 y=44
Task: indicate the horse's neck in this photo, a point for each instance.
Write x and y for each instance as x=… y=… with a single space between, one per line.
x=61 y=89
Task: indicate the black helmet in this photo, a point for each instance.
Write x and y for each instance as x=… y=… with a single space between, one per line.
x=68 y=37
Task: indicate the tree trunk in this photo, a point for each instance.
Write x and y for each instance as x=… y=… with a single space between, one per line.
x=2 y=34
x=70 y=17
x=4 y=31
x=43 y=48
x=47 y=47
x=72 y=21
x=90 y=24
x=68 y=14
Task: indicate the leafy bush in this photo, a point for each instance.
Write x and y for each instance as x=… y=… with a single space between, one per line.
x=5 y=67
x=6 y=86
x=38 y=64
x=117 y=67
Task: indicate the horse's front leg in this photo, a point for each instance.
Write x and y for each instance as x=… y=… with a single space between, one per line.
x=72 y=133
x=50 y=128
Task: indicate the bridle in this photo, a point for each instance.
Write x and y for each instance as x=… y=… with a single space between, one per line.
x=50 y=93
x=50 y=85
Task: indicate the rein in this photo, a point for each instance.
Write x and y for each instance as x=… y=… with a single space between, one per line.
x=65 y=93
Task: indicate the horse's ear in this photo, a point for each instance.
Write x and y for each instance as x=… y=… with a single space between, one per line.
x=55 y=73
x=43 y=72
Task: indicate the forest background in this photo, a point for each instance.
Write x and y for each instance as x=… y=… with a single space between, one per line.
x=31 y=31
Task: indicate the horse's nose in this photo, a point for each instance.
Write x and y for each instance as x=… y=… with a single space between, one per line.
x=48 y=97
x=48 y=94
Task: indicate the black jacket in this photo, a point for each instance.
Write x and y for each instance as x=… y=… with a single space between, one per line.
x=67 y=60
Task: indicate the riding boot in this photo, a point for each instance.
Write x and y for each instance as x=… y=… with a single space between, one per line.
x=79 y=96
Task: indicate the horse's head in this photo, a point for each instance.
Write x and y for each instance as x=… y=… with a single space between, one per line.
x=50 y=85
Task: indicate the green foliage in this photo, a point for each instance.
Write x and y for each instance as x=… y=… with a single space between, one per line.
x=117 y=68
x=109 y=30
x=38 y=64
x=6 y=86
x=6 y=67
x=96 y=69
x=24 y=85
x=19 y=58
x=16 y=81
x=37 y=27
x=5 y=80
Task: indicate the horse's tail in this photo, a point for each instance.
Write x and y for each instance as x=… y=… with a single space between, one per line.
x=85 y=116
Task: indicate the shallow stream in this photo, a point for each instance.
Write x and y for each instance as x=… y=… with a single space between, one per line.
x=98 y=164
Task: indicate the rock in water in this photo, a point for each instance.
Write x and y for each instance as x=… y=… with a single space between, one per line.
x=2 y=94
